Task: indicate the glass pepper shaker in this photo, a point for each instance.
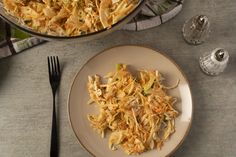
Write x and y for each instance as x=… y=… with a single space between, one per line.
x=196 y=30
x=215 y=62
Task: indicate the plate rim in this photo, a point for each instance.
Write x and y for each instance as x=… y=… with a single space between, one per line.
x=140 y=46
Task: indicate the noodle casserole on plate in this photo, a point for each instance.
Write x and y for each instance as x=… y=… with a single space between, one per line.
x=133 y=108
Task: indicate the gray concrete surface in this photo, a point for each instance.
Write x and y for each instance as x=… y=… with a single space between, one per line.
x=26 y=102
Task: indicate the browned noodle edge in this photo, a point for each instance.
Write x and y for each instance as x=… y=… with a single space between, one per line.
x=133 y=45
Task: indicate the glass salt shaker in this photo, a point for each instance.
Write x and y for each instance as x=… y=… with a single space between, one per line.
x=215 y=62
x=196 y=30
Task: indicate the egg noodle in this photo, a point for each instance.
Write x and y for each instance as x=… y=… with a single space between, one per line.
x=138 y=111
x=69 y=17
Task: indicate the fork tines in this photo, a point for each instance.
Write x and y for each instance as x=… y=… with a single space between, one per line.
x=53 y=68
x=54 y=72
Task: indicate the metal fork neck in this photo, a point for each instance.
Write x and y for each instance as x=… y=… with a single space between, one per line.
x=54 y=93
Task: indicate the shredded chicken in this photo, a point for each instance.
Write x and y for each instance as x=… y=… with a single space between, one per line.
x=138 y=111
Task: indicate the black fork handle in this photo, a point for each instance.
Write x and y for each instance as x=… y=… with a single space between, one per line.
x=54 y=137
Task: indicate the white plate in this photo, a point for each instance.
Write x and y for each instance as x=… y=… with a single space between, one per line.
x=139 y=58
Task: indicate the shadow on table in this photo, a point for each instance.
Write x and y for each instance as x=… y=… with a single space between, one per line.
x=5 y=65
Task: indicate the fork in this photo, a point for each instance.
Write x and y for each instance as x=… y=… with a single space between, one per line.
x=54 y=79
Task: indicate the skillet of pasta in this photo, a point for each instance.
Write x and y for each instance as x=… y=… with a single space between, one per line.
x=69 y=17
